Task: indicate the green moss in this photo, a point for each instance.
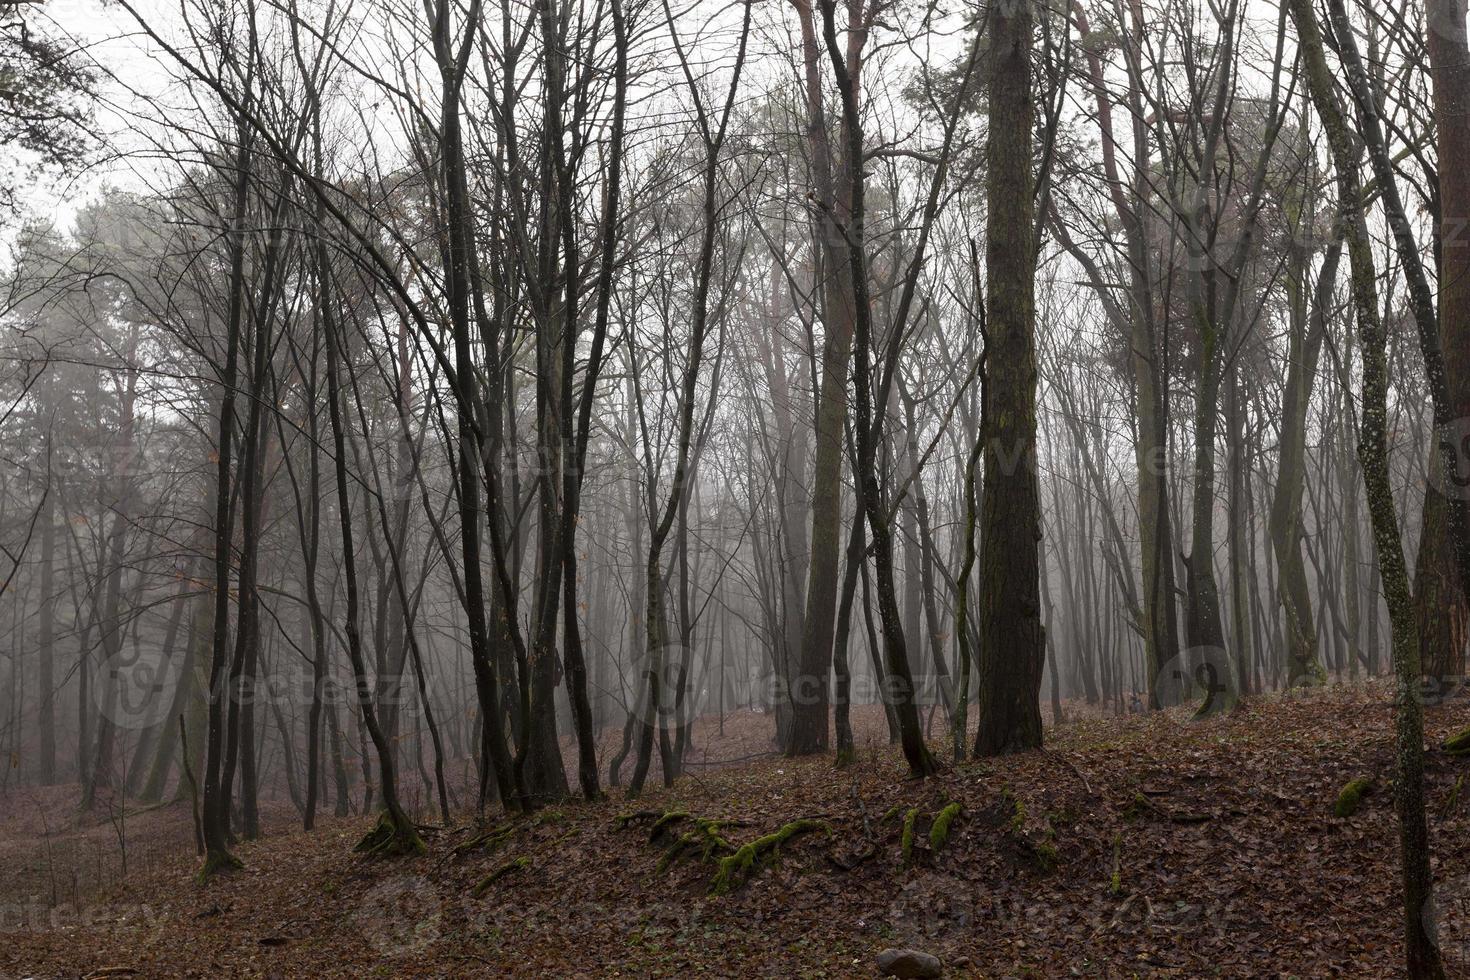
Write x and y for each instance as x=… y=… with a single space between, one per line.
x=1046 y=854
x=217 y=861
x=910 y=820
x=509 y=867
x=1351 y=796
x=1318 y=672
x=487 y=841
x=1035 y=840
x=705 y=842
x=939 y=833
x=389 y=839
x=663 y=823
x=1043 y=847
x=1458 y=743
x=1018 y=816
x=846 y=758
x=742 y=865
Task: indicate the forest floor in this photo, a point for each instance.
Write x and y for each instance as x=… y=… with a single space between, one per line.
x=1139 y=846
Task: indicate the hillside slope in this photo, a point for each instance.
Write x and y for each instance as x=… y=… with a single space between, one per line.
x=1130 y=847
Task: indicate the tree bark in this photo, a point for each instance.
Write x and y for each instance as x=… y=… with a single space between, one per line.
x=1012 y=637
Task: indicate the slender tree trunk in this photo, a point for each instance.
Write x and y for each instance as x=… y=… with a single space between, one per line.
x=1421 y=955
x=395 y=833
x=832 y=180
x=899 y=682
x=46 y=640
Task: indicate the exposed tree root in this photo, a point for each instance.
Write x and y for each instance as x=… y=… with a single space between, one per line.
x=914 y=819
x=216 y=862
x=702 y=840
x=1453 y=800
x=391 y=838
x=741 y=866
x=939 y=832
x=490 y=840
x=509 y=867
x=626 y=820
x=910 y=831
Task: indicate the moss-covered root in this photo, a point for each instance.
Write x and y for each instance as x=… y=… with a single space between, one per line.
x=1351 y=796
x=216 y=862
x=391 y=837
x=1036 y=837
x=910 y=831
x=659 y=824
x=939 y=832
x=509 y=867
x=750 y=858
x=665 y=824
x=490 y=840
x=1458 y=743
x=704 y=842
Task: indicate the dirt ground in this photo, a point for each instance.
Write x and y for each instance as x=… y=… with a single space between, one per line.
x=1140 y=846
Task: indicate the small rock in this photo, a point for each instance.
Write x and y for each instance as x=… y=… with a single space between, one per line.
x=909 y=964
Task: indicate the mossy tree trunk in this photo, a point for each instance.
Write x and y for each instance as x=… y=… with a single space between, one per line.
x=1421 y=954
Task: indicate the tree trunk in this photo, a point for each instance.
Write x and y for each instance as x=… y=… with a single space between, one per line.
x=831 y=180
x=1439 y=586
x=1012 y=638
x=1421 y=955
